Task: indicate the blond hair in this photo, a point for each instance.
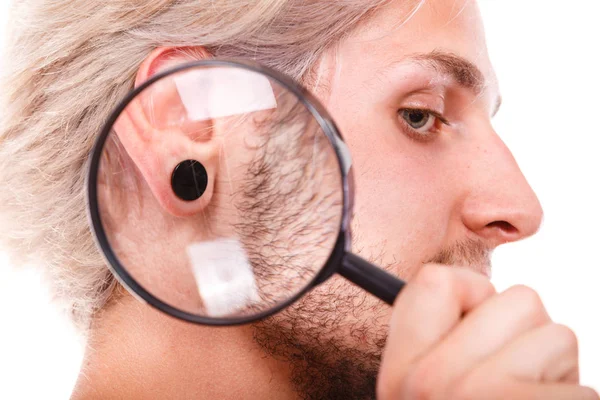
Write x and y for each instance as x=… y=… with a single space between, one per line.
x=69 y=62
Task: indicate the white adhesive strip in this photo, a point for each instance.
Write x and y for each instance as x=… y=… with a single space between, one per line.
x=223 y=275
x=223 y=91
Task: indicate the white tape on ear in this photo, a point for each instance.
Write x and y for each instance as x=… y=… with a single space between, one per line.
x=223 y=91
x=223 y=275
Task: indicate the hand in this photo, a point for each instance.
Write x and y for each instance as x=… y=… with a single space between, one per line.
x=453 y=337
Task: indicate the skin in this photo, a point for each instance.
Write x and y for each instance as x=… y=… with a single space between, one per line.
x=448 y=194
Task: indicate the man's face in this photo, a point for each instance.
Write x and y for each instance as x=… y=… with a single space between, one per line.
x=413 y=98
x=426 y=184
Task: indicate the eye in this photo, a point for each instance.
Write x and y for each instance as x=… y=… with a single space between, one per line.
x=421 y=121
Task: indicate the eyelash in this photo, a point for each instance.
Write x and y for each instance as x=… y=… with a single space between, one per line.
x=413 y=133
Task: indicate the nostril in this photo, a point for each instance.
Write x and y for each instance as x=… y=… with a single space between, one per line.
x=504 y=226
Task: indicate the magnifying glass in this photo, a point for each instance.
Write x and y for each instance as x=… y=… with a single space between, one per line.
x=220 y=192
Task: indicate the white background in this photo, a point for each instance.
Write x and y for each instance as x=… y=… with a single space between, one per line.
x=545 y=55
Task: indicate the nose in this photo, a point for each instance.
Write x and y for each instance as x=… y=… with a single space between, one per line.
x=500 y=205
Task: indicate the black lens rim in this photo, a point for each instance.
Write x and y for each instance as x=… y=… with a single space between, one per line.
x=327 y=125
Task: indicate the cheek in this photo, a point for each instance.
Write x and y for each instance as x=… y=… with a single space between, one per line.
x=395 y=202
x=403 y=204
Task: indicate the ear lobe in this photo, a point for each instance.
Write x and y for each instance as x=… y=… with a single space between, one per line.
x=157 y=137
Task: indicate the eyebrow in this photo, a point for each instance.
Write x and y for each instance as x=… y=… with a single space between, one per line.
x=461 y=70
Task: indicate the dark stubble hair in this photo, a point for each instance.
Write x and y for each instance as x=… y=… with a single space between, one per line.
x=295 y=176
x=330 y=356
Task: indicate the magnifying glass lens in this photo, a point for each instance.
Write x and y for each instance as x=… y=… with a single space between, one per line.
x=219 y=196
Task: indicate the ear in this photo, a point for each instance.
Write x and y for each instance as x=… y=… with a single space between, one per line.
x=157 y=134
x=163 y=58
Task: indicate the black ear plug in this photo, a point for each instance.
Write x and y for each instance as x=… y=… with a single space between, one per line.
x=189 y=180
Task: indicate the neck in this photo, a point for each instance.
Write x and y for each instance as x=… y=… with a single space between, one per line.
x=135 y=352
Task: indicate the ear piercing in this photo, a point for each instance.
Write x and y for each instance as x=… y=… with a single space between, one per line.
x=189 y=180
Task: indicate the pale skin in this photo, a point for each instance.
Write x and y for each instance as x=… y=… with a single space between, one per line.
x=419 y=191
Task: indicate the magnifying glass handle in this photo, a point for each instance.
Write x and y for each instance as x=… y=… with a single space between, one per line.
x=371 y=278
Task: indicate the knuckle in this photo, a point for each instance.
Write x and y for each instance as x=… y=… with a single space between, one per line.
x=588 y=394
x=530 y=302
x=430 y=274
x=565 y=336
x=488 y=288
x=448 y=283
x=436 y=278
